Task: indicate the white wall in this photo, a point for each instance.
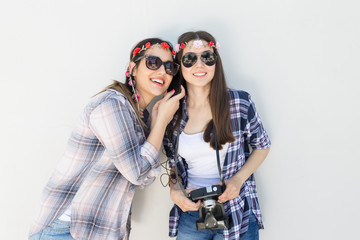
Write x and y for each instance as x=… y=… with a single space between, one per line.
x=299 y=60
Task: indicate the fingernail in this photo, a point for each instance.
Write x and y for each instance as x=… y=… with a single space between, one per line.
x=173 y=90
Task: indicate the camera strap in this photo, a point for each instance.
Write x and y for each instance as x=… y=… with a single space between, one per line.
x=217 y=158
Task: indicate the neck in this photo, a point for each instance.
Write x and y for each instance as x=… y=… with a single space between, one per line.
x=144 y=100
x=198 y=96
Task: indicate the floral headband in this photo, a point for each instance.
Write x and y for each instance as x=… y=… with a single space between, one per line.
x=196 y=44
x=148 y=45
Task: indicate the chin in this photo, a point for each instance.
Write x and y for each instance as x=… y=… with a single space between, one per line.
x=158 y=93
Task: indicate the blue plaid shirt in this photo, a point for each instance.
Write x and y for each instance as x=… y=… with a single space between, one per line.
x=248 y=131
x=107 y=156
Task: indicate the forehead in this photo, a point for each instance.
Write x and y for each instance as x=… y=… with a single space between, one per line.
x=159 y=51
x=195 y=46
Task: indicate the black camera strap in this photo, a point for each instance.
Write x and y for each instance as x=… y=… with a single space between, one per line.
x=217 y=158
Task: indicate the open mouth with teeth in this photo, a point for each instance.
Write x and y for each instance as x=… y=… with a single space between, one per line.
x=199 y=74
x=157 y=81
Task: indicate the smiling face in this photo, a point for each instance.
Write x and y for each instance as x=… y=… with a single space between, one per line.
x=152 y=83
x=199 y=75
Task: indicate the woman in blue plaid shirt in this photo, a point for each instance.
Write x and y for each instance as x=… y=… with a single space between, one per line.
x=209 y=102
x=112 y=149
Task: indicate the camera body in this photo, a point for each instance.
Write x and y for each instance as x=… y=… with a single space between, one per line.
x=206 y=192
x=212 y=214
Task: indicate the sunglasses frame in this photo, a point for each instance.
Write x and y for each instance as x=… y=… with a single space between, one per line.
x=176 y=66
x=197 y=58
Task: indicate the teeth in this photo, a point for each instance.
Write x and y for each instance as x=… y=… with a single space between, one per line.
x=199 y=74
x=158 y=81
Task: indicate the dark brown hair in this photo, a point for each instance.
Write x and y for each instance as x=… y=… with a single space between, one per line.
x=218 y=95
x=125 y=88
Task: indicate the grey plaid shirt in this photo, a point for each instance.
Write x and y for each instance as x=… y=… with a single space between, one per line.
x=106 y=157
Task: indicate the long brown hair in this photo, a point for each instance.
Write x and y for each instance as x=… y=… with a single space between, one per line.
x=125 y=88
x=218 y=96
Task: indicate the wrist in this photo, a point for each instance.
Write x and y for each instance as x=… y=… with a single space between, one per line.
x=158 y=124
x=238 y=179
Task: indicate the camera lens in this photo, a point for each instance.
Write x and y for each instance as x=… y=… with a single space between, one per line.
x=209 y=202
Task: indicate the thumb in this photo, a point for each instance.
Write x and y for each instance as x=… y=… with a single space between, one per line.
x=156 y=105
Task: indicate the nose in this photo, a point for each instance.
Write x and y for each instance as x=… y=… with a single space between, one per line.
x=199 y=62
x=161 y=70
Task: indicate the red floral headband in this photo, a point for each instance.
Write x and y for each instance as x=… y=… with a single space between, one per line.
x=148 y=45
x=197 y=44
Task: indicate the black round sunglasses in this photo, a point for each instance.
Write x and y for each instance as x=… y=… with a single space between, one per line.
x=154 y=63
x=189 y=59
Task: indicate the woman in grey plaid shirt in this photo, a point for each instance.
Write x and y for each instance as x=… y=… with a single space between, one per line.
x=112 y=149
x=209 y=102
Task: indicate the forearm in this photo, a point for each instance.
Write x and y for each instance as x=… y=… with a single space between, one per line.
x=233 y=185
x=157 y=134
x=255 y=159
x=175 y=190
x=138 y=163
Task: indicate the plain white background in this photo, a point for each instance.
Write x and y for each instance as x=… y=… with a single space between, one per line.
x=299 y=60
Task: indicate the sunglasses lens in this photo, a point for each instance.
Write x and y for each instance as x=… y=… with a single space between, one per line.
x=171 y=68
x=208 y=57
x=189 y=59
x=153 y=62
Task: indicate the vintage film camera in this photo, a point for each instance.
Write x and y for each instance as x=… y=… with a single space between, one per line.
x=211 y=214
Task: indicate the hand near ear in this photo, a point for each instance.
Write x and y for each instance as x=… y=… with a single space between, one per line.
x=164 y=109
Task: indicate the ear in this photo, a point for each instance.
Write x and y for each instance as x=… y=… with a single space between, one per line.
x=132 y=68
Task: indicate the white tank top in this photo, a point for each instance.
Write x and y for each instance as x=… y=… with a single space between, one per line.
x=201 y=159
x=66 y=216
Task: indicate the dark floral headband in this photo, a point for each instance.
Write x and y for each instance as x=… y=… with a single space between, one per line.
x=148 y=45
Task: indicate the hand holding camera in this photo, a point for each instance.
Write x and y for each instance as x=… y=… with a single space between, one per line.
x=182 y=201
x=233 y=186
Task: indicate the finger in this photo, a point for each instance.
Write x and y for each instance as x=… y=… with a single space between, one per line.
x=195 y=206
x=223 y=197
x=189 y=205
x=181 y=94
x=227 y=191
x=156 y=105
x=168 y=95
x=189 y=190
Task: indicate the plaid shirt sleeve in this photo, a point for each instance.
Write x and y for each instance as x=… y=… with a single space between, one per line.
x=112 y=124
x=256 y=135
